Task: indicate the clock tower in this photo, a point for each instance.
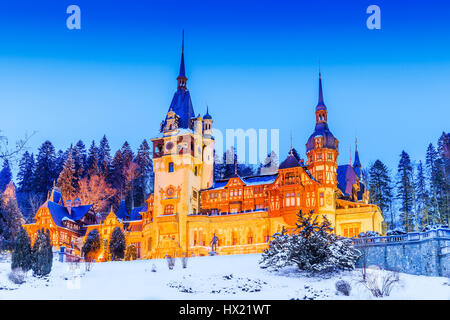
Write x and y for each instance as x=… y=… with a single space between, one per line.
x=183 y=155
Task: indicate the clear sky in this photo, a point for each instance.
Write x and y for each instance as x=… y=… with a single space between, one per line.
x=255 y=63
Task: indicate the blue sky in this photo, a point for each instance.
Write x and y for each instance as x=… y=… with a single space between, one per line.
x=255 y=63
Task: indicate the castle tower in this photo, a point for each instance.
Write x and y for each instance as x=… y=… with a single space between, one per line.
x=322 y=152
x=180 y=163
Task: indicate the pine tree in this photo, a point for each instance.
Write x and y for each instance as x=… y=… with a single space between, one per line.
x=444 y=154
x=380 y=187
x=21 y=256
x=11 y=220
x=117 y=177
x=405 y=191
x=104 y=157
x=434 y=182
x=92 y=160
x=26 y=173
x=117 y=244
x=67 y=180
x=92 y=244
x=5 y=175
x=45 y=172
x=145 y=171
x=422 y=197
x=61 y=157
x=80 y=159
x=42 y=255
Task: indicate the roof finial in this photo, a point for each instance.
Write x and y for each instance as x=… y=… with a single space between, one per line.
x=182 y=76
x=350 y=154
x=291 y=152
x=182 y=42
x=235 y=167
x=356 y=144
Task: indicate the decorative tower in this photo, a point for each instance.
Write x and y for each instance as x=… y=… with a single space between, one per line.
x=357 y=164
x=180 y=155
x=322 y=152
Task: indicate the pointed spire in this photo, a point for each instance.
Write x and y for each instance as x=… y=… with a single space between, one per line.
x=357 y=164
x=207 y=115
x=182 y=68
x=320 y=102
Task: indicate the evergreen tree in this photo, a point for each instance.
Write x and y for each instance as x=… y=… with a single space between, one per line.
x=80 y=159
x=312 y=247
x=422 y=197
x=11 y=220
x=67 y=179
x=26 y=173
x=145 y=170
x=61 y=157
x=92 y=243
x=104 y=157
x=444 y=154
x=21 y=256
x=117 y=177
x=45 y=173
x=127 y=154
x=42 y=255
x=434 y=181
x=92 y=160
x=117 y=244
x=5 y=175
x=405 y=191
x=380 y=187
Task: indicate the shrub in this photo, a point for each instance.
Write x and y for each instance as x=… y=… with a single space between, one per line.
x=17 y=276
x=131 y=253
x=380 y=282
x=117 y=244
x=21 y=256
x=92 y=244
x=343 y=287
x=42 y=255
x=311 y=246
x=184 y=261
x=170 y=262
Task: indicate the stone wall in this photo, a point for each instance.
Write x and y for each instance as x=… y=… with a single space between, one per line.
x=421 y=253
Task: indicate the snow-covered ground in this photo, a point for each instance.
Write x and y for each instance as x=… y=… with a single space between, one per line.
x=218 y=277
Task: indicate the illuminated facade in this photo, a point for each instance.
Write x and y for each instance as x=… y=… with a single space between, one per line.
x=188 y=207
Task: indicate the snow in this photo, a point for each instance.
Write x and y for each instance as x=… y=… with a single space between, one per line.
x=216 y=277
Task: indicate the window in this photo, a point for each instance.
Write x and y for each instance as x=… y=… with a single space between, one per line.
x=195 y=171
x=351 y=230
x=320 y=176
x=170 y=166
x=168 y=209
x=321 y=199
x=149 y=244
x=290 y=199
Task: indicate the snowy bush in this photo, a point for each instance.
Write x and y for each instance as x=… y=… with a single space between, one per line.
x=434 y=227
x=42 y=255
x=311 y=246
x=21 y=256
x=379 y=281
x=17 y=276
x=396 y=232
x=153 y=268
x=343 y=287
x=368 y=234
x=170 y=262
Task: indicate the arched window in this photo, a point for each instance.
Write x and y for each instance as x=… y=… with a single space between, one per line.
x=168 y=209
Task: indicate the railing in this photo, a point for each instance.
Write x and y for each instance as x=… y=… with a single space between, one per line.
x=411 y=236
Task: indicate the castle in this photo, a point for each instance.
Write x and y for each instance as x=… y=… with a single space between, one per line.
x=188 y=207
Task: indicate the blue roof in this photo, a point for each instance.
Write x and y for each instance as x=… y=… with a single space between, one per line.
x=321 y=129
x=357 y=164
x=207 y=116
x=321 y=103
x=122 y=211
x=135 y=214
x=182 y=106
x=264 y=179
x=60 y=213
x=290 y=162
x=346 y=177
